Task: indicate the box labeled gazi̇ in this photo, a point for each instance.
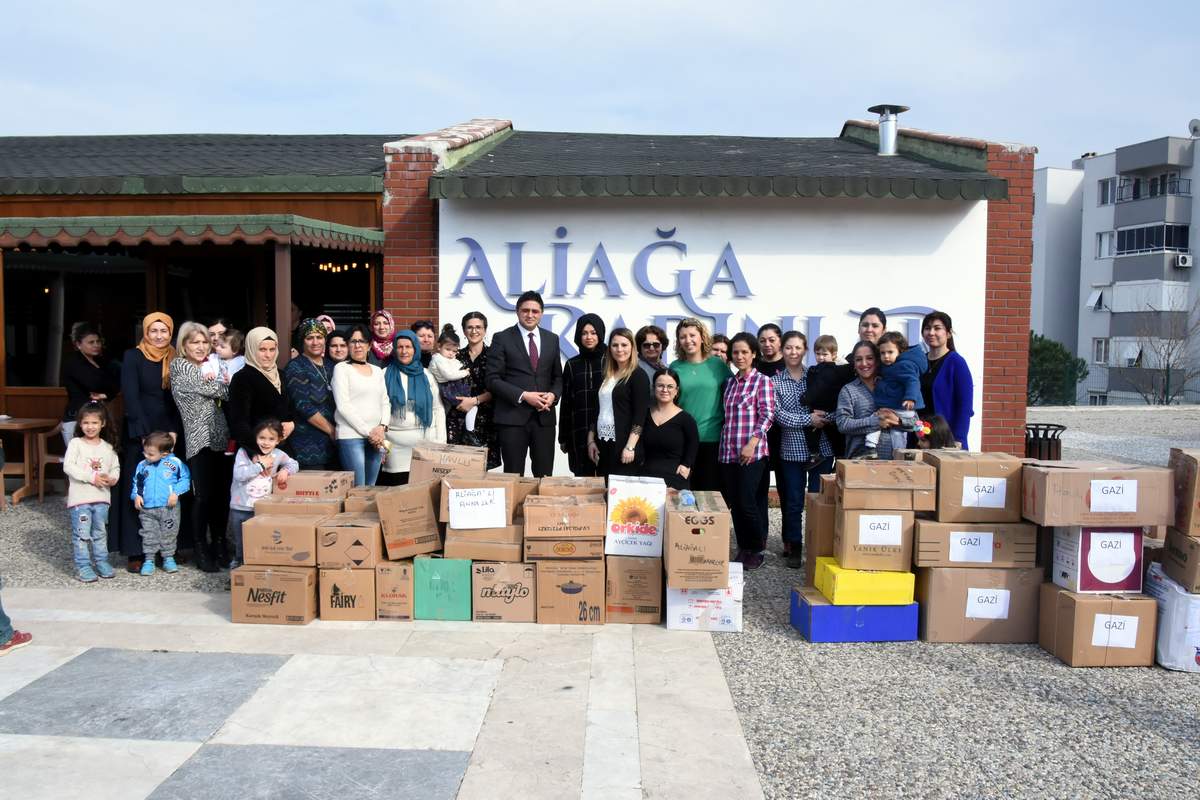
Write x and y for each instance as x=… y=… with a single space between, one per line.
x=1098 y=559
x=1084 y=493
x=634 y=525
x=1097 y=630
x=977 y=487
x=880 y=540
x=274 y=595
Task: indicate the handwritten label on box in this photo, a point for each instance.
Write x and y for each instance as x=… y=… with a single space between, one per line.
x=1114 y=630
x=477 y=508
x=971 y=546
x=987 y=603
x=983 y=492
x=1114 y=496
x=880 y=529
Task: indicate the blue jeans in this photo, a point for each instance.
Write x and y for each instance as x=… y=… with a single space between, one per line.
x=89 y=534
x=815 y=473
x=362 y=458
x=6 y=628
x=792 y=477
x=237 y=518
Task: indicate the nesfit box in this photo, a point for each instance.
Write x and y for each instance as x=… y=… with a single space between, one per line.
x=274 y=595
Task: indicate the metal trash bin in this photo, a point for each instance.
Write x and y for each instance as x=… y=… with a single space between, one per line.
x=1043 y=442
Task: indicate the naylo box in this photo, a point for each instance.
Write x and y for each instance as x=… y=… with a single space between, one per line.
x=818 y=620
x=275 y=505
x=972 y=604
x=570 y=592
x=696 y=546
x=715 y=610
x=282 y=541
x=273 y=595
x=636 y=507
x=1098 y=559
x=977 y=487
x=353 y=541
x=322 y=484
x=442 y=588
x=394 y=590
x=859 y=587
x=408 y=519
x=503 y=592
x=1097 y=630
x=1084 y=493
x=348 y=594
x=634 y=590
x=974 y=544
x=879 y=540
x=1178 y=644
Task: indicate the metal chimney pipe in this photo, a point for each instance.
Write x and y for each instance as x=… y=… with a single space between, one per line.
x=888 y=127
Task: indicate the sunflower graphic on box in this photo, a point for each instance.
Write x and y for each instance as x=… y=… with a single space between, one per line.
x=633 y=515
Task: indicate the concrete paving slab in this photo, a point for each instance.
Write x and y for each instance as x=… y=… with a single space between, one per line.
x=35 y=661
x=54 y=767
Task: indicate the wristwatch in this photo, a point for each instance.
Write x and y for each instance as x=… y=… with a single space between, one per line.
x=630 y=450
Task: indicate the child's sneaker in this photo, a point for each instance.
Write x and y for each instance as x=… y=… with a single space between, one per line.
x=86 y=575
x=104 y=569
x=148 y=567
x=19 y=639
x=169 y=564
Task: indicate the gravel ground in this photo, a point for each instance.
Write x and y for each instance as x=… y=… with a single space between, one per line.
x=1139 y=434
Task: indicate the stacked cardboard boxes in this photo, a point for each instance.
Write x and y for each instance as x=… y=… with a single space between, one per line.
x=634 y=530
x=704 y=590
x=1175 y=583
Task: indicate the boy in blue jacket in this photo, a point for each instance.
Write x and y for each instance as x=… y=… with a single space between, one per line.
x=899 y=384
x=157 y=483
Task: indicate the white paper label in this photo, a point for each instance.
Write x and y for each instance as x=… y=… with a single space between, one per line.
x=987 y=603
x=984 y=492
x=880 y=529
x=477 y=508
x=1114 y=630
x=1114 y=496
x=1111 y=556
x=970 y=546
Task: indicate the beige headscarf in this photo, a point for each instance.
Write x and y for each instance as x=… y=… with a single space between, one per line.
x=165 y=355
x=254 y=338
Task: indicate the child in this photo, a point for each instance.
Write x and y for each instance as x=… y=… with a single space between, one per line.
x=825 y=380
x=935 y=434
x=92 y=469
x=453 y=378
x=226 y=358
x=157 y=483
x=252 y=478
x=899 y=384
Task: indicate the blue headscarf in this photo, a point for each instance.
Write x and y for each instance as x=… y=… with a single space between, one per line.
x=417 y=384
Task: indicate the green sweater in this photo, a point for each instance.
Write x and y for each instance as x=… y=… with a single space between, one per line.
x=701 y=393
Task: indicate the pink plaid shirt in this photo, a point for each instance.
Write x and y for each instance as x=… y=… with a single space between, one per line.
x=749 y=408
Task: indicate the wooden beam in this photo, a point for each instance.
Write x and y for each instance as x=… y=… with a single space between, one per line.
x=283 y=300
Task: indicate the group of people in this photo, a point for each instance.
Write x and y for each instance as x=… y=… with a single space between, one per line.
x=211 y=422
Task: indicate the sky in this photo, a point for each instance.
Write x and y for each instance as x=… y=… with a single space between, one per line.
x=1066 y=78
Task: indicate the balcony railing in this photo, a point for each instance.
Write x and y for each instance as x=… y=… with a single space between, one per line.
x=1145 y=189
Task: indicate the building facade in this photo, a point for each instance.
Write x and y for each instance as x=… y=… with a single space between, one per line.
x=1057 y=211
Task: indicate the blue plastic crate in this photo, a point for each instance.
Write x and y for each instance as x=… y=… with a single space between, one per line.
x=818 y=620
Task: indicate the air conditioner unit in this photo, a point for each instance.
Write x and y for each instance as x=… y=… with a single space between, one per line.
x=1183 y=260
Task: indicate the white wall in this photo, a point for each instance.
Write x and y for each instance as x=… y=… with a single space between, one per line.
x=1057 y=217
x=1094 y=272
x=805 y=264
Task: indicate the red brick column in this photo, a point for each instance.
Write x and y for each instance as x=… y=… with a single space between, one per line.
x=410 y=250
x=1006 y=319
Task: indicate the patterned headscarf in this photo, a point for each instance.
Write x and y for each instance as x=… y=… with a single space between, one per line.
x=307 y=327
x=327 y=321
x=382 y=348
x=164 y=354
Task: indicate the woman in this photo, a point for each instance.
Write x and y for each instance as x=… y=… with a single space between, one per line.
x=256 y=392
x=361 y=402
x=702 y=378
x=309 y=382
x=670 y=436
x=794 y=419
x=749 y=404
x=383 y=330
x=614 y=442
x=651 y=346
x=720 y=347
x=582 y=376
x=217 y=329
x=474 y=358
x=149 y=407
x=427 y=336
x=336 y=348
x=416 y=412
x=856 y=416
x=87 y=375
x=871 y=325
x=770 y=354
x=947 y=388
x=205 y=435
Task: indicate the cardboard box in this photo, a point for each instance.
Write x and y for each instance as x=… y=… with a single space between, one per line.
x=282 y=541
x=829 y=487
x=570 y=592
x=977 y=487
x=1098 y=559
x=1085 y=493
x=819 y=525
x=1185 y=470
x=885 y=474
x=978 y=605
x=715 y=610
x=273 y=595
x=509 y=534
x=478 y=502
x=880 y=540
x=696 y=545
x=555 y=549
x=360 y=504
x=437 y=461
x=572 y=487
x=818 y=620
x=974 y=544
x=476 y=550
x=350 y=541
x=520 y=486
x=636 y=506
x=394 y=590
x=441 y=588
x=503 y=592
x=633 y=590
x=1178 y=641
x=316 y=483
x=348 y=595
x=557 y=517
x=273 y=505
x=407 y=517
x=1089 y=630
x=1181 y=560
x=860 y=587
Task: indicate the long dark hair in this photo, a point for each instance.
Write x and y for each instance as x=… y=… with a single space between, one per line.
x=95 y=409
x=874 y=352
x=944 y=318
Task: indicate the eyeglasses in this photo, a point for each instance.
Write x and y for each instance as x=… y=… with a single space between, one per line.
x=652 y=345
x=664 y=388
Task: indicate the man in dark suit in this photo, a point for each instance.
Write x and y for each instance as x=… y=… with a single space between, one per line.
x=524 y=375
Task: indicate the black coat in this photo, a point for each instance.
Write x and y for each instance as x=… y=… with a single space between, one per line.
x=631 y=404
x=148 y=406
x=81 y=379
x=252 y=399
x=509 y=373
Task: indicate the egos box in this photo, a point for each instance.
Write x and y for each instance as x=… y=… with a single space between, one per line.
x=976 y=487
x=1083 y=493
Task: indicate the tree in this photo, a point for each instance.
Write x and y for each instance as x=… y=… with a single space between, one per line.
x=1054 y=372
x=1166 y=360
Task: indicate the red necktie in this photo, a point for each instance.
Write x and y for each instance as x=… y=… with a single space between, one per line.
x=533 y=353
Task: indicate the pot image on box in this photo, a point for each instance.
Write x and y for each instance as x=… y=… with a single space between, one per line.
x=633 y=590
x=348 y=594
x=635 y=516
x=503 y=592
x=353 y=541
x=971 y=604
x=394 y=590
x=714 y=610
x=281 y=541
x=818 y=620
x=1178 y=641
x=408 y=519
x=570 y=592
x=442 y=588
x=1098 y=559
x=879 y=540
x=273 y=595
x=323 y=484
x=696 y=545
x=1088 y=630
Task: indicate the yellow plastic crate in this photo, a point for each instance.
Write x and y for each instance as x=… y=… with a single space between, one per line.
x=861 y=587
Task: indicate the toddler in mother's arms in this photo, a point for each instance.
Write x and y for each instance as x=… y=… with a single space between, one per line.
x=899 y=384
